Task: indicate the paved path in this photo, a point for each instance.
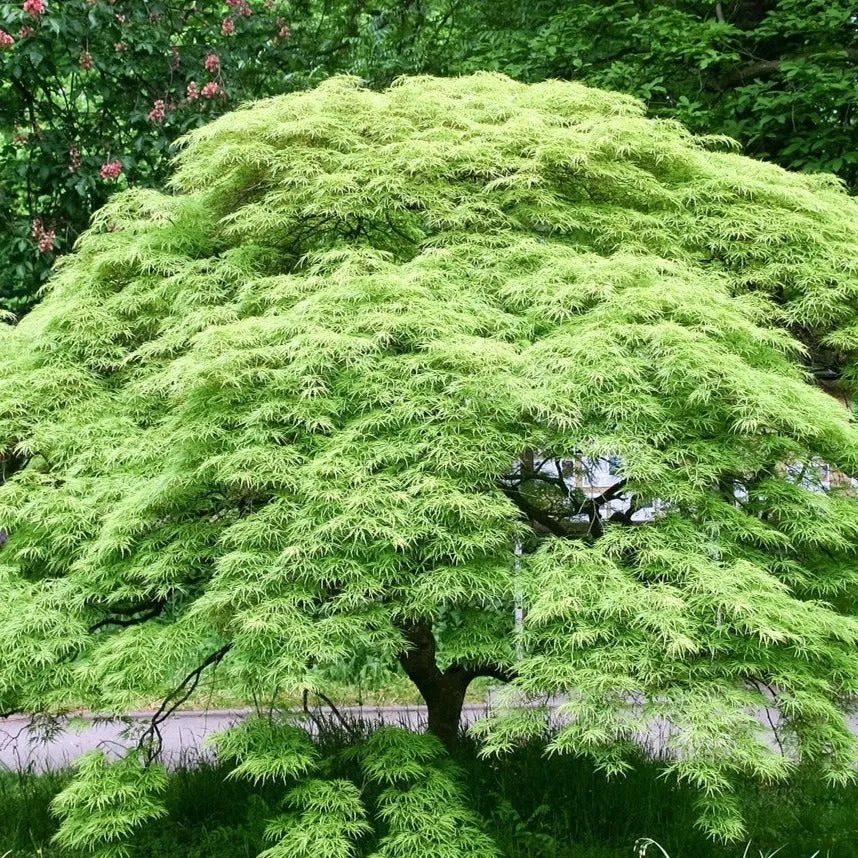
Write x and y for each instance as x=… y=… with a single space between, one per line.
x=40 y=747
x=25 y=745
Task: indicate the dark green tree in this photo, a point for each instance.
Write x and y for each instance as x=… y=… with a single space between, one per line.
x=328 y=397
x=80 y=81
x=778 y=75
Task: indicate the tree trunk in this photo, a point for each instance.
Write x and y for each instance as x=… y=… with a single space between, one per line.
x=443 y=691
x=445 y=709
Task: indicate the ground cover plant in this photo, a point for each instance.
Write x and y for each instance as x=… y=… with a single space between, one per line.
x=328 y=399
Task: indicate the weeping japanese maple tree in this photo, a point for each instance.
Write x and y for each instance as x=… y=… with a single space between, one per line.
x=329 y=396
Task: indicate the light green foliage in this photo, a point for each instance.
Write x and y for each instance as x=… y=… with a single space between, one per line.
x=265 y=749
x=106 y=802
x=329 y=816
x=423 y=806
x=272 y=421
x=420 y=810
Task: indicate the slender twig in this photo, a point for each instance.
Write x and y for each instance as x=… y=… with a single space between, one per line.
x=308 y=712
x=335 y=712
x=124 y=622
x=175 y=699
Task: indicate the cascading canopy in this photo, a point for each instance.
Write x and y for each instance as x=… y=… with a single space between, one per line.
x=328 y=395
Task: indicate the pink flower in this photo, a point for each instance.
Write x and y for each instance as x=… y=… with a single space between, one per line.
x=6 y=41
x=193 y=91
x=158 y=112
x=119 y=47
x=210 y=90
x=120 y=18
x=34 y=7
x=269 y=4
x=85 y=61
x=284 y=34
x=212 y=63
x=244 y=9
x=25 y=31
x=44 y=237
x=227 y=27
x=111 y=170
x=46 y=242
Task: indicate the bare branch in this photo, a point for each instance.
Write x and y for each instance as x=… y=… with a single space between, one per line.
x=349 y=728
x=175 y=699
x=762 y=69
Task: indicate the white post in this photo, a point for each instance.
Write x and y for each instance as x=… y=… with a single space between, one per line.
x=519 y=604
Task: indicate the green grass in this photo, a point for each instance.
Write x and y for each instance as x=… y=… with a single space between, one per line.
x=537 y=807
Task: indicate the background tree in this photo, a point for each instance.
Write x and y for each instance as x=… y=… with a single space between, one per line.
x=93 y=92
x=309 y=404
x=777 y=75
x=86 y=86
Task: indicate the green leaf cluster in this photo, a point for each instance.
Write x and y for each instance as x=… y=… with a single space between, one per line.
x=418 y=801
x=777 y=75
x=106 y=802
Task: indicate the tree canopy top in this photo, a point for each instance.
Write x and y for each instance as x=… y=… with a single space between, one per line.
x=290 y=413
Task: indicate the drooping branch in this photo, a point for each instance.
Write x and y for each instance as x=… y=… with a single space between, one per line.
x=175 y=699
x=132 y=616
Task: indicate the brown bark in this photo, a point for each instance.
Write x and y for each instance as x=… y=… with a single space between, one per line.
x=445 y=710
x=443 y=691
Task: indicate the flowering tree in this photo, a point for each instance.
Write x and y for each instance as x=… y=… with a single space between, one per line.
x=323 y=400
x=93 y=92
x=86 y=84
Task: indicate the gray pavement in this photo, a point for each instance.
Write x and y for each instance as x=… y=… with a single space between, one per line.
x=52 y=745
